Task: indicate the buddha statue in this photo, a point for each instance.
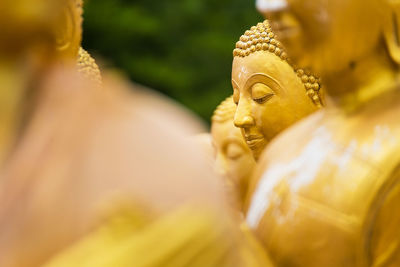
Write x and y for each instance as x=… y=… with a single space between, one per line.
x=326 y=192
x=96 y=177
x=234 y=160
x=270 y=94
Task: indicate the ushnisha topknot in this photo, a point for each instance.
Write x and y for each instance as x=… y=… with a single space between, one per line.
x=261 y=38
x=225 y=111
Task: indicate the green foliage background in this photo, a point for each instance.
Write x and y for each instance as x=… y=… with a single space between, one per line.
x=182 y=48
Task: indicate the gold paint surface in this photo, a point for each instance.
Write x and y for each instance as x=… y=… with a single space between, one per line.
x=326 y=191
x=269 y=93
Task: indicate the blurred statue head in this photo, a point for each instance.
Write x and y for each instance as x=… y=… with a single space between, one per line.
x=27 y=37
x=329 y=35
x=39 y=31
x=234 y=159
x=61 y=20
x=270 y=95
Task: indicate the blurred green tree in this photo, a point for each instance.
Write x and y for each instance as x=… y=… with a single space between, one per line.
x=182 y=48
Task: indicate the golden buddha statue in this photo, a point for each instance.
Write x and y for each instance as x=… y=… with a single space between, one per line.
x=270 y=95
x=234 y=160
x=96 y=177
x=326 y=192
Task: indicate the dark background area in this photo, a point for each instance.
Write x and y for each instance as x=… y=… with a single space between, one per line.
x=181 y=48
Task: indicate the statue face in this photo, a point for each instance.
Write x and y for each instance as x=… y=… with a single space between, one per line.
x=69 y=30
x=269 y=97
x=234 y=159
x=326 y=35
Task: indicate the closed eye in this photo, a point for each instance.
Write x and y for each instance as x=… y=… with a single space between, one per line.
x=234 y=151
x=261 y=93
x=263 y=99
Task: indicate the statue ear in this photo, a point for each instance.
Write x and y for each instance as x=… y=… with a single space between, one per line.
x=391 y=29
x=64 y=30
x=69 y=29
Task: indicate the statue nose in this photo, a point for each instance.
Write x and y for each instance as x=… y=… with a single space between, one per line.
x=265 y=6
x=243 y=117
x=220 y=166
x=243 y=120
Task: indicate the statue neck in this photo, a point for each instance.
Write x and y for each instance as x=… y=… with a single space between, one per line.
x=362 y=81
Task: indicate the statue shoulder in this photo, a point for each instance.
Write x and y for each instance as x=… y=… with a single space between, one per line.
x=379 y=245
x=288 y=144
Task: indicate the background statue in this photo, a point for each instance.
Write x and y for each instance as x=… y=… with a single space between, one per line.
x=270 y=95
x=327 y=190
x=234 y=160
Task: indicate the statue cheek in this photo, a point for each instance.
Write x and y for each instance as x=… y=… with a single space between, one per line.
x=260 y=114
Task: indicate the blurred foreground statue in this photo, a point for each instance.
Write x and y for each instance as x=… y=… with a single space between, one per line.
x=94 y=177
x=270 y=95
x=327 y=191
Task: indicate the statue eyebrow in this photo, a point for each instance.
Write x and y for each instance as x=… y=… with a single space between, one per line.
x=266 y=79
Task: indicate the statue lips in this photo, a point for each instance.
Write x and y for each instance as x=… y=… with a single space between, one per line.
x=254 y=141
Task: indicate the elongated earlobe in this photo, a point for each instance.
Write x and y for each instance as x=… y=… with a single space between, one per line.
x=65 y=30
x=69 y=30
x=391 y=29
